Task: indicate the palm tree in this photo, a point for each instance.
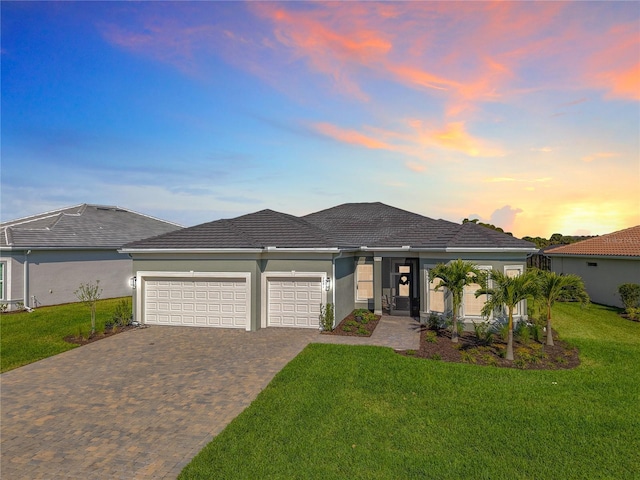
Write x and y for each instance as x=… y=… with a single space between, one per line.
x=507 y=291
x=454 y=276
x=553 y=287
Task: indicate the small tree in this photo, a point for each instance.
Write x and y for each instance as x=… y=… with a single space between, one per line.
x=454 y=277
x=630 y=295
x=553 y=287
x=508 y=292
x=89 y=294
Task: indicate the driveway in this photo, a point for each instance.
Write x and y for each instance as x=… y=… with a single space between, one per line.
x=143 y=403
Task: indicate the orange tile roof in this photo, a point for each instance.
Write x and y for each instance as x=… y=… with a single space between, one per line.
x=622 y=243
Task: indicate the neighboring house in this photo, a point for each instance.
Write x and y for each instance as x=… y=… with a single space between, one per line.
x=604 y=263
x=45 y=257
x=272 y=269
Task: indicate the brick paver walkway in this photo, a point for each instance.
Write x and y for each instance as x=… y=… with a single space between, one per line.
x=143 y=403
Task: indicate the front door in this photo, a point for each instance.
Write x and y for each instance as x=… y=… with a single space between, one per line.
x=401 y=288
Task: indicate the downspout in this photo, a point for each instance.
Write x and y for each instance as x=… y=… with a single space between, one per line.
x=25 y=276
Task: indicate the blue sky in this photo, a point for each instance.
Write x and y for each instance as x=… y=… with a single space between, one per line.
x=525 y=115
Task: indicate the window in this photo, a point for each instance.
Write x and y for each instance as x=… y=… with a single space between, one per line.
x=472 y=306
x=513 y=271
x=592 y=264
x=364 y=282
x=436 y=297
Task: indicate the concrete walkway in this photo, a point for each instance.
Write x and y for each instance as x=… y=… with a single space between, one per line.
x=143 y=403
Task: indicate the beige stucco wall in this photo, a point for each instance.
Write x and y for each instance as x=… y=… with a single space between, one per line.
x=602 y=280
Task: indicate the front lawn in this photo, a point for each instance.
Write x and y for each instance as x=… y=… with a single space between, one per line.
x=28 y=337
x=366 y=412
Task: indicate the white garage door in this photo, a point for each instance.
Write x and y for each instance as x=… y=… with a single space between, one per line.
x=219 y=302
x=294 y=302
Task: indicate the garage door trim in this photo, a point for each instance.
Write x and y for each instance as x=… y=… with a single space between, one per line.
x=264 y=294
x=143 y=275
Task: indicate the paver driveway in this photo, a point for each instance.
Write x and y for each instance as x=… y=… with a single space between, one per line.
x=143 y=403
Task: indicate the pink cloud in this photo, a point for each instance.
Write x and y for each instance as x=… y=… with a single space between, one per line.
x=350 y=136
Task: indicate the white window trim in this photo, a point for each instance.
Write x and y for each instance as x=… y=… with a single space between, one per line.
x=444 y=291
x=463 y=314
x=359 y=299
x=521 y=305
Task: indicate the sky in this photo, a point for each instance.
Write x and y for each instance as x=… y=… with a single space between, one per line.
x=525 y=115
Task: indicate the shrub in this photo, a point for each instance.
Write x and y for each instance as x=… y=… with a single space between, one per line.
x=433 y=322
x=364 y=316
x=436 y=356
x=523 y=333
x=630 y=295
x=326 y=317
x=634 y=313
x=430 y=337
x=468 y=356
x=483 y=332
x=122 y=315
x=536 y=331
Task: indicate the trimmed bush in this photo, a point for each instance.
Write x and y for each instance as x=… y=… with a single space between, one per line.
x=630 y=295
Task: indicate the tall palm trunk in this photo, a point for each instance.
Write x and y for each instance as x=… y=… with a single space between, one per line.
x=510 y=336
x=549 y=333
x=454 y=333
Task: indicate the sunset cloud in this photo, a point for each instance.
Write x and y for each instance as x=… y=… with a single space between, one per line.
x=599 y=156
x=351 y=137
x=455 y=137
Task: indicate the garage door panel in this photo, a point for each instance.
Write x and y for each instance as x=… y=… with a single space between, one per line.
x=184 y=301
x=293 y=302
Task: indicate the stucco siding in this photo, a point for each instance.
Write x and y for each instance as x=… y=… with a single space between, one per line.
x=54 y=275
x=602 y=279
x=345 y=288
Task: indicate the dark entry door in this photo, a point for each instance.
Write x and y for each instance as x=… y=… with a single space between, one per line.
x=402 y=288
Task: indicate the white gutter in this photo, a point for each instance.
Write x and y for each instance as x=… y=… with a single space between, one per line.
x=450 y=249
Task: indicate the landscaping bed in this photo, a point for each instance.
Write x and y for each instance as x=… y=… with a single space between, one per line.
x=84 y=340
x=530 y=355
x=359 y=323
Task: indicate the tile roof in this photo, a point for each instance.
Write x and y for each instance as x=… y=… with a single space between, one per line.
x=351 y=225
x=81 y=226
x=621 y=243
x=262 y=229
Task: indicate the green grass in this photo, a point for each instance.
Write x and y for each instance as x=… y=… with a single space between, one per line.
x=367 y=413
x=28 y=337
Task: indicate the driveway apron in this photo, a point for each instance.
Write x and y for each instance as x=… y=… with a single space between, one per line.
x=143 y=403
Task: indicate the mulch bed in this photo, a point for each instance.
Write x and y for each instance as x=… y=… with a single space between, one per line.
x=437 y=345
x=82 y=340
x=357 y=330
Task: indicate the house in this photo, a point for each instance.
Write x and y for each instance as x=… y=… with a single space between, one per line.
x=604 y=263
x=271 y=269
x=45 y=257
